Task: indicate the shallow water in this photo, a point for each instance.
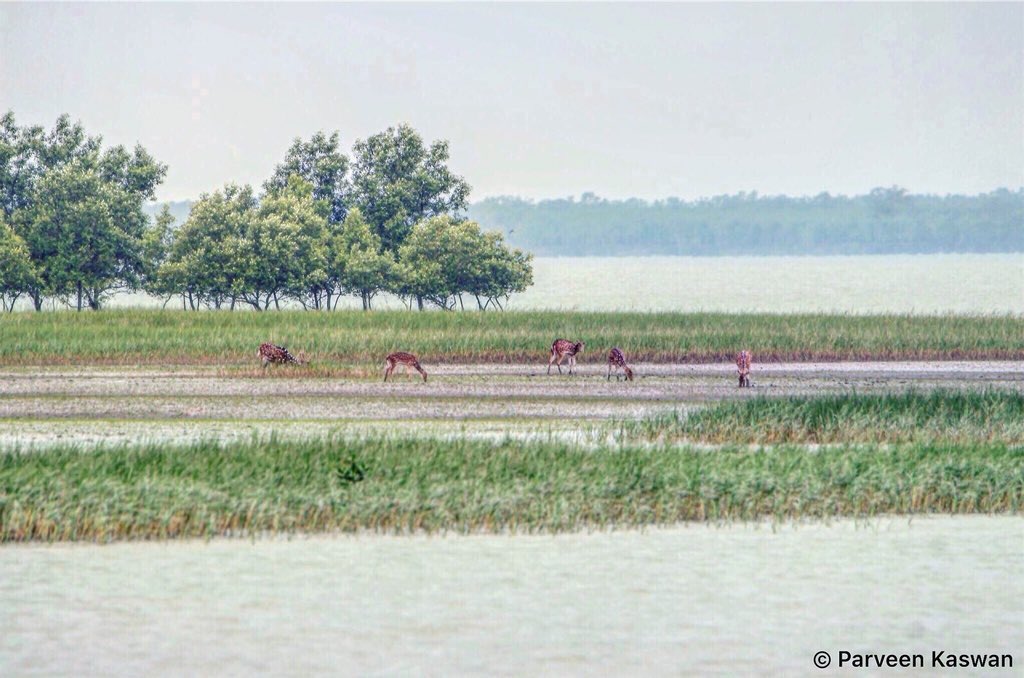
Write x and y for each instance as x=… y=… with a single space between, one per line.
x=901 y=283
x=45 y=406
x=703 y=600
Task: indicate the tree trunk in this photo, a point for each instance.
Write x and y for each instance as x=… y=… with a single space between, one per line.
x=419 y=301
x=79 y=288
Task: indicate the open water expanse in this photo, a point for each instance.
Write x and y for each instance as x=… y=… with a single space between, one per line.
x=900 y=283
x=727 y=600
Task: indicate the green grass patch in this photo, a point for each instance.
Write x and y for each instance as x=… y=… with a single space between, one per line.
x=168 y=337
x=936 y=416
x=403 y=485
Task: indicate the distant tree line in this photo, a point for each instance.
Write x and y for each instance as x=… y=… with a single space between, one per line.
x=887 y=220
x=74 y=228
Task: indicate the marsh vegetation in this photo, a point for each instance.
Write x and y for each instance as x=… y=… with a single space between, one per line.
x=135 y=336
x=410 y=485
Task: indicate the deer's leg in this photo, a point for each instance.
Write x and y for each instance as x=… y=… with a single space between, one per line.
x=551 y=359
x=388 y=370
x=421 y=371
x=609 y=377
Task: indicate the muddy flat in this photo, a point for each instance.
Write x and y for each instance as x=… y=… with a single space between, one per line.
x=46 y=405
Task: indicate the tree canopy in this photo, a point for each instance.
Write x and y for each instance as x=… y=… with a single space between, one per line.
x=74 y=229
x=78 y=209
x=884 y=221
x=397 y=181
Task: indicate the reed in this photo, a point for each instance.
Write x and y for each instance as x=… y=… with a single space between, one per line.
x=937 y=416
x=406 y=485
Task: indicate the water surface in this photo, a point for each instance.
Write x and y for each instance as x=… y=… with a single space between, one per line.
x=899 y=283
x=701 y=600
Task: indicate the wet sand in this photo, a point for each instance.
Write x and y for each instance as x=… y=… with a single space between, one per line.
x=48 y=405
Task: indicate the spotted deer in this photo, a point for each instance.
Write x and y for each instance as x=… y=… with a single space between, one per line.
x=617 y=360
x=562 y=349
x=743 y=363
x=271 y=353
x=402 y=358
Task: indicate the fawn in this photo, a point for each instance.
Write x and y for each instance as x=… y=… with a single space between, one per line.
x=617 y=360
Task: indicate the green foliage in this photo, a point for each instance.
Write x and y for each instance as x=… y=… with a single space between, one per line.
x=157 y=241
x=85 y=233
x=17 y=274
x=443 y=258
x=208 y=260
x=362 y=268
x=233 y=249
x=320 y=164
x=404 y=485
x=397 y=181
x=888 y=220
x=78 y=209
x=290 y=247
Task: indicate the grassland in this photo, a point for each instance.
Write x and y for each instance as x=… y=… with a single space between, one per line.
x=927 y=451
x=211 y=489
x=937 y=416
x=135 y=336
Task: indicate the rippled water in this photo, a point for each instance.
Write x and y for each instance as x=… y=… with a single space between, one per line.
x=904 y=283
x=696 y=600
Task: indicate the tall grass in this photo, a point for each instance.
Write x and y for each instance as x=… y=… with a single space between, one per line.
x=389 y=485
x=940 y=415
x=134 y=336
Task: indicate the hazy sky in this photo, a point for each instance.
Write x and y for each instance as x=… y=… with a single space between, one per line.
x=546 y=100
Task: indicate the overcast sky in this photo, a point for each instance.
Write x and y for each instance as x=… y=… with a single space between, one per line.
x=546 y=100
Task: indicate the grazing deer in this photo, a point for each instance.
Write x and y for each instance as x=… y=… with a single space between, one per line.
x=743 y=363
x=561 y=349
x=401 y=358
x=271 y=353
x=617 y=360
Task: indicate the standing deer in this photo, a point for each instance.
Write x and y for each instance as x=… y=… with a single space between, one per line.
x=561 y=349
x=402 y=358
x=743 y=363
x=617 y=360
x=271 y=353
